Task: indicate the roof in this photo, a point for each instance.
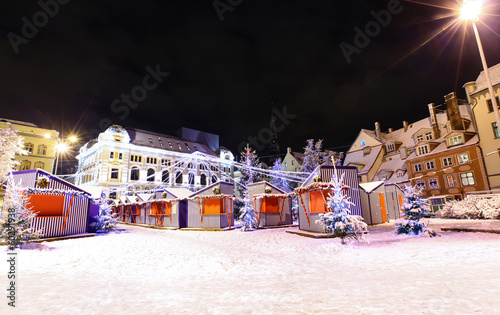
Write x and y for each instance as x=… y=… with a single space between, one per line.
x=481 y=83
x=18 y=122
x=160 y=141
x=367 y=160
x=179 y=192
x=371 y=186
x=298 y=156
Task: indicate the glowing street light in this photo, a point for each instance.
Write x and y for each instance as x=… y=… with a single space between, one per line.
x=61 y=148
x=471 y=10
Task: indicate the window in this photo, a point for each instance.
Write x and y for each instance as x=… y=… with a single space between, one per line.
x=120 y=156
x=191 y=165
x=420 y=138
x=151 y=175
x=136 y=158
x=29 y=147
x=150 y=140
x=400 y=173
x=161 y=143
x=214 y=179
x=490 y=104
x=179 y=145
x=428 y=136
x=496 y=134
x=39 y=165
x=117 y=139
x=422 y=150
x=447 y=161
x=187 y=146
x=42 y=149
x=170 y=145
x=111 y=154
x=433 y=183
x=421 y=184
x=467 y=179
x=178 y=178
x=134 y=173
x=191 y=179
x=390 y=147
x=165 y=177
x=455 y=140
x=430 y=165
x=418 y=167
x=384 y=177
x=114 y=173
x=203 y=180
x=451 y=181
x=25 y=165
x=463 y=158
x=150 y=160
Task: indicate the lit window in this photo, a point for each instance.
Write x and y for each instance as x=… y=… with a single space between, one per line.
x=42 y=149
x=179 y=145
x=170 y=145
x=418 y=167
x=421 y=184
x=455 y=140
x=150 y=140
x=29 y=147
x=490 y=104
x=430 y=165
x=25 y=165
x=448 y=161
x=363 y=143
x=433 y=183
x=187 y=146
x=496 y=134
x=422 y=150
x=463 y=158
x=467 y=179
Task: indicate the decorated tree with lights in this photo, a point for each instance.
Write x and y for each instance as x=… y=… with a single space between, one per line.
x=315 y=156
x=10 y=144
x=413 y=210
x=248 y=215
x=16 y=221
x=338 y=220
x=279 y=178
x=106 y=220
x=249 y=174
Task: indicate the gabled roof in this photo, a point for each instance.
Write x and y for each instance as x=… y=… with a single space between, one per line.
x=358 y=157
x=371 y=186
x=481 y=83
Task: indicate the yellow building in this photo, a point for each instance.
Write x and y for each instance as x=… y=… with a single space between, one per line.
x=480 y=100
x=39 y=142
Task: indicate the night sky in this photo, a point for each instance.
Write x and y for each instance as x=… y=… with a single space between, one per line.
x=225 y=77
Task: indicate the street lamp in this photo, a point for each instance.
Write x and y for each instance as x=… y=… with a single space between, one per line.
x=62 y=147
x=471 y=10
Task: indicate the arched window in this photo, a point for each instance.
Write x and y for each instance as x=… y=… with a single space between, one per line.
x=214 y=179
x=165 y=176
x=29 y=147
x=151 y=175
x=203 y=180
x=42 y=149
x=178 y=178
x=191 y=179
x=134 y=173
x=191 y=165
x=25 y=165
x=39 y=165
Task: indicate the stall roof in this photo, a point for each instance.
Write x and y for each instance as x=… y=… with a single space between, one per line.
x=371 y=186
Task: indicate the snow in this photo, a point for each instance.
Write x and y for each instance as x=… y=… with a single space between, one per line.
x=150 y=271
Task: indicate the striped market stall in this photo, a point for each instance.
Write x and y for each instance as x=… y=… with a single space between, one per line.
x=212 y=207
x=313 y=194
x=394 y=200
x=373 y=202
x=272 y=205
x=61 y=207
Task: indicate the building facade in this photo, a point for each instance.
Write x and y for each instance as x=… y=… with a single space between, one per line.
x=484 y=119
x=40 y=143
x=129 y=159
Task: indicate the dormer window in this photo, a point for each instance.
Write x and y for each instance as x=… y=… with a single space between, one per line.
x=420 y=138
x=187 y=146
x=150 y=140
x=384 y=177
x=170 y=145
x=390 y=147
x=455 y=140
x=424 y=149
x=428 y=136
x=179 y=145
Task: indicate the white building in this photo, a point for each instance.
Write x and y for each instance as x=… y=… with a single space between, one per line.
x=129 y=159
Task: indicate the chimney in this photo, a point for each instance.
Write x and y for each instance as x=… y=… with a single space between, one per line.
x=453 y=112
x=378 y=133
x=390 y=130
x=434 y=124
x=405 y=125
x=289 y=150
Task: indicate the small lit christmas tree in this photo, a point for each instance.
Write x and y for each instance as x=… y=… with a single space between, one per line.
x=106 y=220
x=413 y=209
x=338 y=220
x=248 y=215
x=16 y=222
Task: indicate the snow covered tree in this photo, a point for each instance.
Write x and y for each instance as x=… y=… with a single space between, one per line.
x=279 y=180
x=248 y=215
x=16 y=221
x=250 y=161
x=10 y=144
x=338 y=220
x=106 y=220
x=413 y=209
x=315 y=156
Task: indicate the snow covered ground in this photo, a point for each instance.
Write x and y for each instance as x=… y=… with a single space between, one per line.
x=149 y=271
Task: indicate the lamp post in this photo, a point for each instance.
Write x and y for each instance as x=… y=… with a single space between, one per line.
x=471 y=10
x=62 y=147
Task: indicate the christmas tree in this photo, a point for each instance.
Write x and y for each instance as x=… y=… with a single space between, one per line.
x=338 y=220
x=10 y=145
x=248 y=215
x=250 y=162
x=106 y=220
x=279 y=178
x=413 y=209
x=16 y=222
